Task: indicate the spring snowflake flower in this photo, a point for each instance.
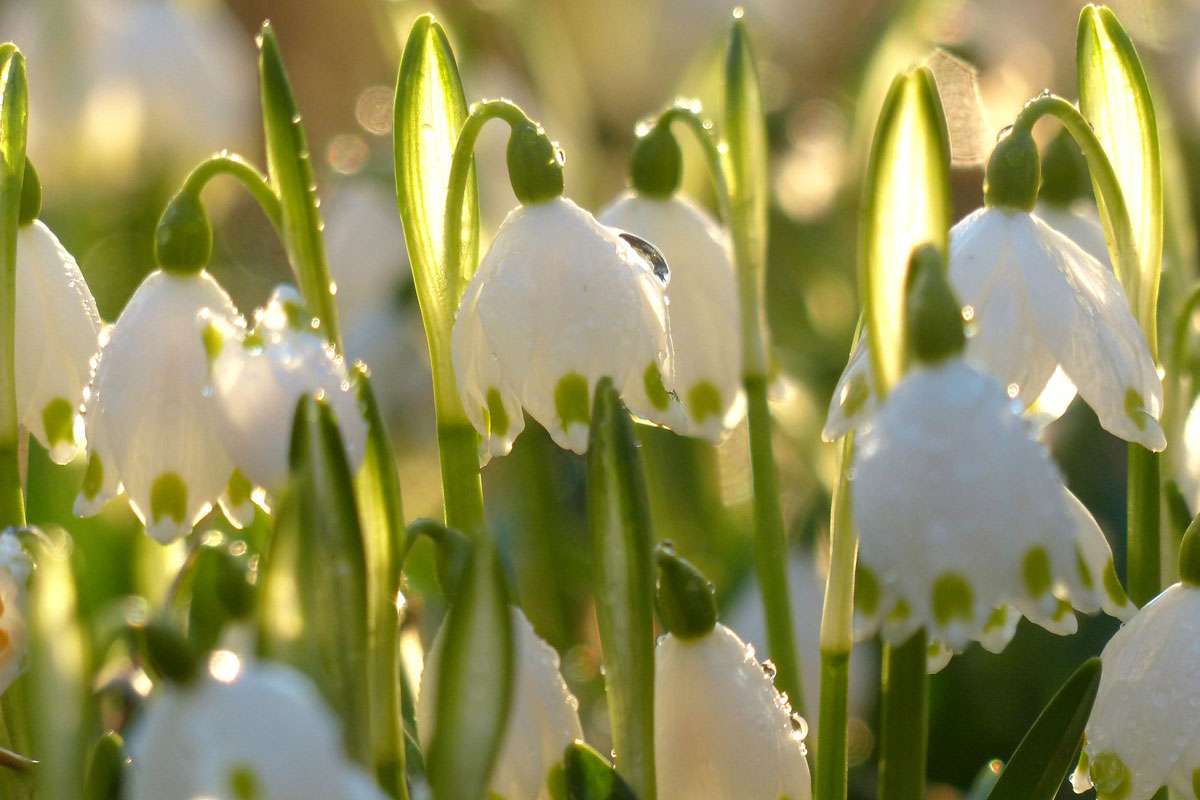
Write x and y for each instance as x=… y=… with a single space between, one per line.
x=542 y=720
x=151 y=427
x=258 y=378
x=253 y=730
x=559 y=302
x=14 y=580
x=703 y=302
x=57 y=335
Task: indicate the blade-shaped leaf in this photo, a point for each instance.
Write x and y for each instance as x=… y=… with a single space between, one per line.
x=587 y=775
x=378 y=488
x=430 y=109
x=313 y=612
x=474 y=683
x=1115 y=98
x=619 y=516
x=14 y=113
x=1046 y=754
x=906 y=204
x=289 y=167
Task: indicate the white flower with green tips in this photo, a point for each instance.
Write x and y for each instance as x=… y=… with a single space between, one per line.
x=257 y=380
x=559 y=302
x=542 y=720
x=151 y=427
x=57 y=327
x=14 y=581
x=242 y=730
x=703 y=298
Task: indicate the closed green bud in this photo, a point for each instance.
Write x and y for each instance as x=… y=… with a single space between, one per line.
x=105 y=768
x=686 y=600
x=31 y=195
x=1064 y=172
x=1189 y=555
x=183 y=239
x=657 y=164
x=933 y=316
x=1014 y=172
x=535 y=164
x=168 y=653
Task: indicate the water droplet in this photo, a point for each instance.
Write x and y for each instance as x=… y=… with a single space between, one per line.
x=768 y=668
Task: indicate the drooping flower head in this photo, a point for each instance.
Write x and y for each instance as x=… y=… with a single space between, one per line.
x=559 y=302
x=964 y=520
x=542 y=720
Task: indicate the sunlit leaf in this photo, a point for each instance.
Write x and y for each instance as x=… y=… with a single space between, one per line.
x=14 y=113
x=907 y=203
x=587 y=775
x=1115 y=98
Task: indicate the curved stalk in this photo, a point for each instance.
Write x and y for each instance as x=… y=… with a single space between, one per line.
x=239 y=169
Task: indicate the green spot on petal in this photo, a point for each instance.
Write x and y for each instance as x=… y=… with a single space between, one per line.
x=58 y=420
x=497 y=416
x=214 y=341
x=656 y=392
x=995 y=620
x=239 y=489
x=855 y=396
x=571 y=400
x=1036 y=570
x=704 y=401
x=866 y=591
x=1113 y=587
x=244 y=783
x=1135 y=408
x=93 y=478
x=1085 y=572
x=952 y=599
x=168 y=498
x=1110 y=776
x=900 y=612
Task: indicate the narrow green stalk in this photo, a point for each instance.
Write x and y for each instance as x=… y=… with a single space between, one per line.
x=13 y=119
x=837 y=638
x=904 y=721
x=242 y=171
x=462 y=488
x=1144 y=566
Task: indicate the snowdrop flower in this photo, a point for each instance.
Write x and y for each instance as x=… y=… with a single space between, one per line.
x=559 y=302
x=242 y=730
x=1144 y=732
x=57 y=327
x=542 y=720
x=721 y=729
x=14 y=580
x=1044 y=314
x=702 y=292
x=151 y=428
x=256 y=381
x=964 y=519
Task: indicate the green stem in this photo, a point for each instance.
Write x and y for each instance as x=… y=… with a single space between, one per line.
x=242 y=171
x=462 y=488
x=1144 y=570
x=905 y=720
x=837 y=638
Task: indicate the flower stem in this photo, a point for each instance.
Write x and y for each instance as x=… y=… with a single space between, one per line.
x=1144 y=572
x=837 y=638
x=238 y=168
x=905 y=720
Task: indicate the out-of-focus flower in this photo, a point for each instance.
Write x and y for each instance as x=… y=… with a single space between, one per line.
x=542 y=719
x=151 y=427
x=57 y=329
x=242 y=730
x=703 y=305
x=559 y=302
x=14 y=580
x=257 y=379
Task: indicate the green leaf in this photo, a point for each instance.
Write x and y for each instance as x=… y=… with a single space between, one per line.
x=907 y=204
x=289 y=166
x=1045 y=756
x=619 y=516
x=587 y=775
x=430 y=109
x=377 y=486
x=1115 y=98
x=105 y=768
x=14 y=115
x=313 y=612
x=474 y=682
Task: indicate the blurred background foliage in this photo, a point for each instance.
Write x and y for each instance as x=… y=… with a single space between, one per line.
x=128 y=94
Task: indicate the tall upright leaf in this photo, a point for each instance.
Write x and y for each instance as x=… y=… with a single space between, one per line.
x=14 y=116
x=907 y=203
x=1115 y=98
x=289 y=167
x=619 y=515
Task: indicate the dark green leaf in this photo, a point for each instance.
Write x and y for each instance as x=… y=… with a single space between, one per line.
x=587 y=775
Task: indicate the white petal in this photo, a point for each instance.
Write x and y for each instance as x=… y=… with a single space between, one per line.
x=1095 y=553
x=542 y=721
x=721 y=730
x=1080 y=223
x=56 y=336
x=148 y=403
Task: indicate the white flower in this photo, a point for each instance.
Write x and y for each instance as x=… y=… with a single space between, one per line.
x=257 y=380
x=150 y=426
x=14 y=580
x=962 y=514
x=1043 y=314
x=542 y=719
x=703 y=298
x=559 y=302
x=721 y=730
x=1080 y=223
x=57 y=327
x=1144 y=731
x=243 y=730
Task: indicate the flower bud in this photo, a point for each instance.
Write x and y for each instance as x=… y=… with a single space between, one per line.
x=535 y=164
x=656 y=168
x=686 y=600
x=934 y=315
x=1014 y=172
x=183 y=238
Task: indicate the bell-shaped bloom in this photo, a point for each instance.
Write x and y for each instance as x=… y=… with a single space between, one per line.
x=1080 y=223
x=259 y=377
x=543 y=717
x=559 y=302
x=1043 y=315
x=703 y=297
x=14 y=580
x=962 y=515
x=242 y=730
x=1144 y=731
x=721 y=729
x=57 y=330
x=151 y=426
